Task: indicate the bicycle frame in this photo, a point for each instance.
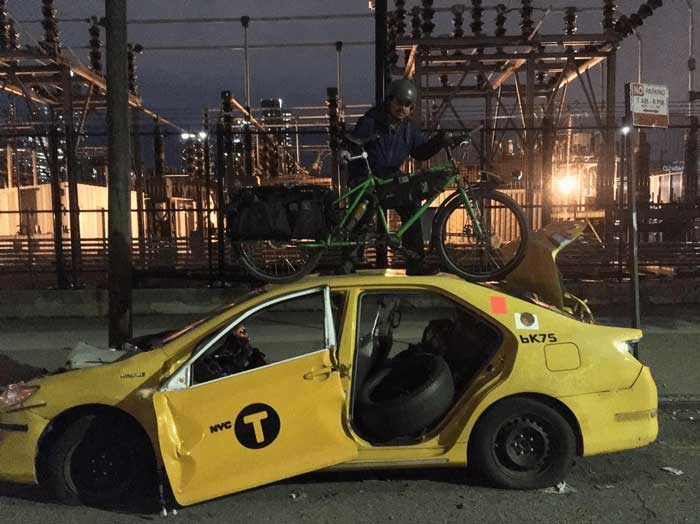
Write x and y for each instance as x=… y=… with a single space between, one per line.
x=360 y=191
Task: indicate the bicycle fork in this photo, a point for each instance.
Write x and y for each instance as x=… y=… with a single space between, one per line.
x=473 y=212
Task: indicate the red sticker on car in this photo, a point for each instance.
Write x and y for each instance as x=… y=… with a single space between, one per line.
x=499 y=306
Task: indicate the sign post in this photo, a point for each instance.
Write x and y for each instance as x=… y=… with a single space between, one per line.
x=646 y=105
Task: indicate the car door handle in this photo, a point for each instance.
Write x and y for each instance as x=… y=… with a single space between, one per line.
x=321 y=373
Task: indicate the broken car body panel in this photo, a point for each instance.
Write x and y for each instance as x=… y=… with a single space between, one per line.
x=253 y=428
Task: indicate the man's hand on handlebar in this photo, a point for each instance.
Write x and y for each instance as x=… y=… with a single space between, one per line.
x=453 y=139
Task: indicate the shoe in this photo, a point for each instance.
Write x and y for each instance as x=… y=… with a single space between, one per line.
x=345 y=267
x=421 y=269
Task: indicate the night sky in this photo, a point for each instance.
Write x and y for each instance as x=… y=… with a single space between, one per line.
x=181 y=84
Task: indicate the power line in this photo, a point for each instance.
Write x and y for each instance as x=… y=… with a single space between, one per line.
x=238 y=47
x=222 y=20
x=294 y=18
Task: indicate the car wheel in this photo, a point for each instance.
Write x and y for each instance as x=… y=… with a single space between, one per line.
x=522 y=443
x=407 y=397
x=100 y=461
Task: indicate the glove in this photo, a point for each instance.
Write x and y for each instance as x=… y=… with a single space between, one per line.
x=455 y=138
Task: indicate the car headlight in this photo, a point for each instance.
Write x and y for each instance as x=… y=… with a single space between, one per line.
x=15 y=394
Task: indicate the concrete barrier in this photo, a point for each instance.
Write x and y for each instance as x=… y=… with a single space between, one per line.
x=85 y=303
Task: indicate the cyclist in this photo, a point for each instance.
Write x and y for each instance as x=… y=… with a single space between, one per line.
x=398 y=137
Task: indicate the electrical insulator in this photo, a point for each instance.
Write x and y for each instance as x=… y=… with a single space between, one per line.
x=13 y=35
x=526 y=24
x=645 y=11
x=457 y=21
x=501 y=20
x=623 y=26
x=427 y=12
x=4 y=26
x=609 y=8
x=51 y=42
x=226 y=101
x=132 y=51
x=392 y=54
x=570 y=21
x=199 y=158
x=95 y=47
x=541 y=76
x=400 y=18
x=333 y=120
x=188 y=156
x=477 y=14
x=415 y=22
x=477 y=22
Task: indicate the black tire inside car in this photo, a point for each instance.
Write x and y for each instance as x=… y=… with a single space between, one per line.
x=406 y=398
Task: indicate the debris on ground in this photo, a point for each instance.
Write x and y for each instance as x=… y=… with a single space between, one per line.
x=605 y=486
x=460 y=505
x=672 y=471
x=687 y=415
x=297 y=495
x=560 y=489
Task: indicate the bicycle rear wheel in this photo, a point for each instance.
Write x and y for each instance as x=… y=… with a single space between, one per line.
x=494 y=253
x=275 y=261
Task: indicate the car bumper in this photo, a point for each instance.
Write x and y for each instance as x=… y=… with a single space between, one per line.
x=617 y=420
x=19 y=435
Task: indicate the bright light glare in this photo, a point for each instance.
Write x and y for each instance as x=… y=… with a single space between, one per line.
x=626 y=130
x=186 y=136
x=202 y=135
x=567 y=185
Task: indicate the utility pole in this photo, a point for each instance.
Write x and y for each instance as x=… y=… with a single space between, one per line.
x=120 y=270
x=380 y=16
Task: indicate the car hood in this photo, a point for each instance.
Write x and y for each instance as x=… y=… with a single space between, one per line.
x=136 y=377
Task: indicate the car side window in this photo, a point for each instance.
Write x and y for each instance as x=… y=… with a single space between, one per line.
x=276 y=333
x=394 y=324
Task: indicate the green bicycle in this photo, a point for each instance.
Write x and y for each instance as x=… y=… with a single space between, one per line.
x=480 y=233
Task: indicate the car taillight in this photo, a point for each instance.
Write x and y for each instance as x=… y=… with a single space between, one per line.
x=626 y=345
x=15 y=394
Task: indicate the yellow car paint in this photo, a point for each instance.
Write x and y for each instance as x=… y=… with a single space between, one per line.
x=202 y=429
x=608 y=394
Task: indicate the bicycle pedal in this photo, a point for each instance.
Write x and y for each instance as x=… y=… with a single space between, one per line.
x=393 y=242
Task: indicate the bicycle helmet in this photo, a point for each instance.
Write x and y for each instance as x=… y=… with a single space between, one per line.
x=403 y=90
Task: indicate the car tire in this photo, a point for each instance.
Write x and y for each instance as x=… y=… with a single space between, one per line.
x=407 y=397
x=100 y=461
x=521 y=443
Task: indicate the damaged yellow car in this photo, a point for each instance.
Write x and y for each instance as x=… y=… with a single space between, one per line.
x=371 y=370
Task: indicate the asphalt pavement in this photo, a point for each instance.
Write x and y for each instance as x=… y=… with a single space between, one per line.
x=610 y=489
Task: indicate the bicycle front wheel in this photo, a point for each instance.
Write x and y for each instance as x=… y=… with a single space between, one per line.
x=485 y=244
x=275 y=261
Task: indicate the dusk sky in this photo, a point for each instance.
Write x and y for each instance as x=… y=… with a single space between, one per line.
x=182 y=83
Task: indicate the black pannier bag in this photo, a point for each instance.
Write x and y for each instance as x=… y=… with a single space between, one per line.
x=403 y=190
x=283 y=212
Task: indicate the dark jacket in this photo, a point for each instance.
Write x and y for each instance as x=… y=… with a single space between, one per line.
x=394 y=144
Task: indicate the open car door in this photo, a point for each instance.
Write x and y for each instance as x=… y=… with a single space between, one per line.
x=257 y=426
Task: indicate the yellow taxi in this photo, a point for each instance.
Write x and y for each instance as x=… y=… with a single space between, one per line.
x=372 y=370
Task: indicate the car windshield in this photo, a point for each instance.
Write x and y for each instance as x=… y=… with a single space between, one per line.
x=172 y=335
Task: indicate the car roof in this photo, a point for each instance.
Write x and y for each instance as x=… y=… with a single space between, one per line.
x=369 y=277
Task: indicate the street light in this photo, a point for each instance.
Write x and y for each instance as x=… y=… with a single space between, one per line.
x=625 y=130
